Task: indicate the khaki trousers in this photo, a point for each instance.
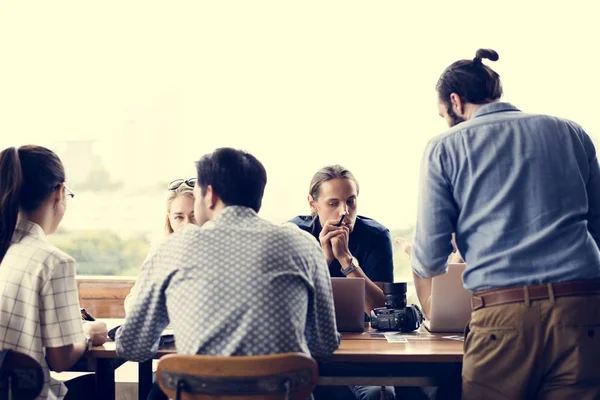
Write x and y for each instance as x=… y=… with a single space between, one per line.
x=547 y=349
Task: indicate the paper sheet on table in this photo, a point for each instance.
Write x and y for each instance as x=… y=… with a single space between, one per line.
x=395 y=337
x=456 y=337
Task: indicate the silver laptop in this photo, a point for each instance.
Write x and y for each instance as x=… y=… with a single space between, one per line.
x=349 y=302
x=450 y=302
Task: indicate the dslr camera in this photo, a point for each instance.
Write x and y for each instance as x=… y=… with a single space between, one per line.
x=396 y=315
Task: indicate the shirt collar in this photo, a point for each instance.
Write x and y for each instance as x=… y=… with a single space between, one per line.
x=494 y=107
x=234 y=214
x=27 y=228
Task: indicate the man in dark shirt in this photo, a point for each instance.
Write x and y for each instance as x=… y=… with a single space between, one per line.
x=354 y=246
x=369 y=242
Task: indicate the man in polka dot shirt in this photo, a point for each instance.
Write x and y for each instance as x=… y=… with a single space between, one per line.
x=236 y=284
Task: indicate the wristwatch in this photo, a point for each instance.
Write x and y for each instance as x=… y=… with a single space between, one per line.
x=353 y=266
x=88 y=344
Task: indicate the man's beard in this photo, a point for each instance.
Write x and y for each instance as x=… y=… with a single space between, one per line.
x=455 y=119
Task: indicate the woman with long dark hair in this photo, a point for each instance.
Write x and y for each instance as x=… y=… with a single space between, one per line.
x=39 y=304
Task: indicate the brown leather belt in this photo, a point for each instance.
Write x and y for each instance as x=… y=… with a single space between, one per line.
x=527 y=294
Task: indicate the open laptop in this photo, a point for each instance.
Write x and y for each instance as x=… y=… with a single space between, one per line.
x=450 y=302
x=349 y=302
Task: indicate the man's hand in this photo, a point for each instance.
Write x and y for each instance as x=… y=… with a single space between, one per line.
x=339 y=246
x=97 y=331
x=330 y=230
x=405 y=247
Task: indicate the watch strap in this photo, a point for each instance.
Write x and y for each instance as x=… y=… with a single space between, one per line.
x=353 y=266
x=88 y=344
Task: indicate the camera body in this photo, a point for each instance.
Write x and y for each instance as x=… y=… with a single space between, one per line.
x=407 y=319
x=396 y=315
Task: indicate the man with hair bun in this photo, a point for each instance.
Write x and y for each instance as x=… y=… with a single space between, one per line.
x=522 y=193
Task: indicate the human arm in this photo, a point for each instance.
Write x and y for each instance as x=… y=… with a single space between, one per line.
x=405 y=246
x=374 y=297
x=423 y=289
x=436 y=216
x=377 y=267
x=139 y=336
x=593 y=190
x=61 y=327
x=423 y=285
x=321 y=332
x=62 y=358
x=329 y=230
x=130 y=298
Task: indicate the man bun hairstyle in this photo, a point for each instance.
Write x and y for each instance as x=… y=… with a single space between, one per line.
x=472 y=80
x=485 y=53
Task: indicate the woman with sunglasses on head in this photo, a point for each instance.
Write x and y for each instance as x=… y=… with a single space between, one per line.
x=39 y=305
x=180 y=211
x=180 y=204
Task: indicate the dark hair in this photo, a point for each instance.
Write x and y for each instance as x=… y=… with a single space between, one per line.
x=473 y=81
x=237 y=177
x=27 y=176
x=328 y=173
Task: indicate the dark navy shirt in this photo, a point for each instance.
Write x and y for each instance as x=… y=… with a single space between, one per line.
x=370 y=243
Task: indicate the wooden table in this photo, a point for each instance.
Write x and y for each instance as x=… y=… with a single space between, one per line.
x=362 y=358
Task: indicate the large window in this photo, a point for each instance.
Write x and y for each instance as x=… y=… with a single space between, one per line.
x=131 y=94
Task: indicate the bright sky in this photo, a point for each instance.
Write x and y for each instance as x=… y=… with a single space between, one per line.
x=299 y=84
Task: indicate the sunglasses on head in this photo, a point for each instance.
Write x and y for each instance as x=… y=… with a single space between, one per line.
x=174 y=185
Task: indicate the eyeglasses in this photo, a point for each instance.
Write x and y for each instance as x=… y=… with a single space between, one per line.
x=174 y=185
x=69 y=193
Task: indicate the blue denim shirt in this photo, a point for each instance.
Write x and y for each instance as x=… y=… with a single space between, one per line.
x=522 y=193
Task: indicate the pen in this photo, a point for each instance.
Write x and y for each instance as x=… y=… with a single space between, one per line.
x=86 y=316
x=341 y=220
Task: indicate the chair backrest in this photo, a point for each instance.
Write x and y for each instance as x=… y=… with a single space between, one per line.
x=277 y=376
x=21 y=377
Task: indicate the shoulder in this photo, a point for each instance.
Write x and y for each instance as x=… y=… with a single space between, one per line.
x=296 y=235
x=370 y=232
x=571 y=126
x=295 y=242
x=58 y=263
x=304 y=222
x=370 y=227
x=294 y=231
x=39 y=257
x=177 y=242
x=41 y=250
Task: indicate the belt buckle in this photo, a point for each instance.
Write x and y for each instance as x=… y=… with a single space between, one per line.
x=477 y=303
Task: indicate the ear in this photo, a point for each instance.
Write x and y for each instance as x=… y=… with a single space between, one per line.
x=457 y=104
x=312 y=203
x=58 y=194
x=211 y=199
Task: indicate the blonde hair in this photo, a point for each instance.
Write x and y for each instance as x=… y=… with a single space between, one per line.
x=328 y=173
x=182 y=190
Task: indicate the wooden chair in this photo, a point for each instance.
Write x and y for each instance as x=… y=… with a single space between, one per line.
x=200 y=377
x=21 y=377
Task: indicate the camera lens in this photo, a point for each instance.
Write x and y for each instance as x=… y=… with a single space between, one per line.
x=395 y=295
